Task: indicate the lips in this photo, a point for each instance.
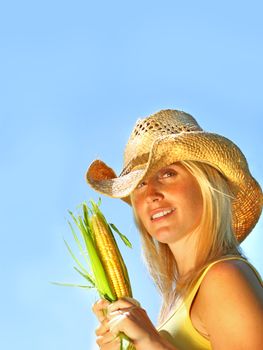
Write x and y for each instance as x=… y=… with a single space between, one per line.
x=161 y=213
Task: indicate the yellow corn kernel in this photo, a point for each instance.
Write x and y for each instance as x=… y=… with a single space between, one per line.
x=110 y=257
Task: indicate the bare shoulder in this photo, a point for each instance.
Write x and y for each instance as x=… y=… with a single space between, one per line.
x=230 y=271
x=230 y=302
x=231 y=278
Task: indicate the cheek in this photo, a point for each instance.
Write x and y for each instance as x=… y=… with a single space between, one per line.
x=192 y=198
x=196 y=201
x=139 y=210
x=137 y=213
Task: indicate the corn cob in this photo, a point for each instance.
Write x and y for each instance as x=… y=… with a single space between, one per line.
x=109 y=273
x=109 y=254
x=111 y=260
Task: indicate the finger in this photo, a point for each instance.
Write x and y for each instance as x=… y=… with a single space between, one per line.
x=122 y=304
x=99 y=309
x=115 y=344
x=115 y=324
x=126 y=312
x=105 y=339
x=132 y=301
x=103 y=328
x=113 y=314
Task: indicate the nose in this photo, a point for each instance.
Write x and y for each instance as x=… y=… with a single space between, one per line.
x=153 y=192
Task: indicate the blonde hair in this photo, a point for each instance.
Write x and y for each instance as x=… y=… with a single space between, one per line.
x=215 y=238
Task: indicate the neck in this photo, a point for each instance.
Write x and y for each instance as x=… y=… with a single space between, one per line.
x=184 y=252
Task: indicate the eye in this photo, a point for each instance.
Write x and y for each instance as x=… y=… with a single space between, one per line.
x=168 y=173
x=141 y=184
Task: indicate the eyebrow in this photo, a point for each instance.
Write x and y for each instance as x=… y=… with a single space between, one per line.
x=173 y=165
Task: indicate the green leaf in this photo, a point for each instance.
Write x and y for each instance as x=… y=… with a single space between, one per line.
x=122 y=236
x=86 y=276
x=71 y=285
x=84 y=253
x=86 y=214
x=75 y=259
x=74 y=218
x=125 y=342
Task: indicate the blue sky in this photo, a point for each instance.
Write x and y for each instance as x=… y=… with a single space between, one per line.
x=74 y=78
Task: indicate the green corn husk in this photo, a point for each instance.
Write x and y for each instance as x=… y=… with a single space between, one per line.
x=94 y=273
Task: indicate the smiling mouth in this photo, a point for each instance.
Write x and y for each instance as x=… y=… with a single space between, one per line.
x=161 y=214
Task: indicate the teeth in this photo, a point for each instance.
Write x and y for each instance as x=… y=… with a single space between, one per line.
x=161 y=213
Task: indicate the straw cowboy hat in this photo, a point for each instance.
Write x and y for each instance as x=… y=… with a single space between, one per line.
x=169 y=136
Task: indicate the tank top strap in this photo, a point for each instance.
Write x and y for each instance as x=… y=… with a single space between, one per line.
x=189 y=299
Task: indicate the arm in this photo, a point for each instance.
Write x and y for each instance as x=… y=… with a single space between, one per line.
x=230 y=304
x=125 y=315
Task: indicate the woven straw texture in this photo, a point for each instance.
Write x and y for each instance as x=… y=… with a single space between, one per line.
x=169 y=136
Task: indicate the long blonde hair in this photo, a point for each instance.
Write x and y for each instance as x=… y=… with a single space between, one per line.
x=215 y=238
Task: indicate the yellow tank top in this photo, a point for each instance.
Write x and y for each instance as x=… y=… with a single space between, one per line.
x=178 y=328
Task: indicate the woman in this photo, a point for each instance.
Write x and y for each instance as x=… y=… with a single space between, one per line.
x=194 y=201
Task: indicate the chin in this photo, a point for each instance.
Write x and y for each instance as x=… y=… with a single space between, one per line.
x=168 y=237
x=165 y=237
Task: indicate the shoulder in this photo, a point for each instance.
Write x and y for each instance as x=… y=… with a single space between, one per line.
x=230 y=302
x=232 y=281
x=231 y=274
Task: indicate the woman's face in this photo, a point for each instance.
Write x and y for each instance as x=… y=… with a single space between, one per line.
x=169 y=204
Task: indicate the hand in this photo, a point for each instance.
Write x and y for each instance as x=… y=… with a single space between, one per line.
x=126 y=315
x=105 y=339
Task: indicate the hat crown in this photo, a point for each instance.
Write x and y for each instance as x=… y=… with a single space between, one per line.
x=148 y=130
